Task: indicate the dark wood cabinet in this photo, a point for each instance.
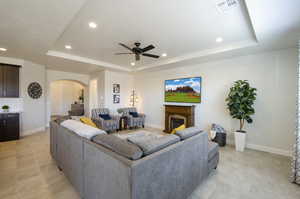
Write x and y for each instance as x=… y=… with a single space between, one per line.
x=9 y=126
x=9 y=80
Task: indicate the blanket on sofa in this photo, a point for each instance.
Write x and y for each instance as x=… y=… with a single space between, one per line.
x=81 y=129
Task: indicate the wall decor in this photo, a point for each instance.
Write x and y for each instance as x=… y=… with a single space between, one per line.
x=35 y=90
x=184 y=90
x=133 y=98
x=116 y=88
x=116 y=99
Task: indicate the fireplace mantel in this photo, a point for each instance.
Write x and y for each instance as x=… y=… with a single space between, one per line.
x=187 y=105
x=187 y=111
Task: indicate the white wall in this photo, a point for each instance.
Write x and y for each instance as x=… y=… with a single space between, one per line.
x=126 y=82
x=104 y=96
x=32 y=110
x=33 y=117
x=53 y=75
x=93 y=94
x=272 y=73
x=63 y=94
x=97 y=90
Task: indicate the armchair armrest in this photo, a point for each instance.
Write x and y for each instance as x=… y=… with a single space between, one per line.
x=98 y=122
x=142 y=115
x=115 y=117
x=129 y=116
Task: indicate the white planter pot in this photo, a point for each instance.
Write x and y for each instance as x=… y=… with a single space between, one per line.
x=240 y=141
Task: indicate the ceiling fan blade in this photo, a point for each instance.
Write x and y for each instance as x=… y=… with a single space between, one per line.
x=137 y=57
x=150 y=55
x=125 y=46
x=124 y=53
x=150 y=47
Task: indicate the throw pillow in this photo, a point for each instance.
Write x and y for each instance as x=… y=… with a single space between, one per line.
x=134 y=114
x=88 y=121
x=105 y=116
x=151 y=144
x=178 y=129
x=188 y=132
x=119 y=146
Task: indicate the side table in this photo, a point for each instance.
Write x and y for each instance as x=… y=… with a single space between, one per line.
x=123 y=123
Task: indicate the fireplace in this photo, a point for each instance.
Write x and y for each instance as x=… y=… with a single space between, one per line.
x=176 y=121
x=176 y=115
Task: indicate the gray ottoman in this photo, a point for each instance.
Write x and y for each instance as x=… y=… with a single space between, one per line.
x=213 y=156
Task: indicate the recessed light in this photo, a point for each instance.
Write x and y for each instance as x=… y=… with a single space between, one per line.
x=132 y=64
x=3 y=49
x=219 y=39
x=92 y=25
x=68 y=47
x=164 y=54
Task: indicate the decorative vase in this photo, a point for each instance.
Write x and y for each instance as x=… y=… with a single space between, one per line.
x=240 y=140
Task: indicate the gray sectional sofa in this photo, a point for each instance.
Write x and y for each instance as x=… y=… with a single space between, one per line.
x=97 y=172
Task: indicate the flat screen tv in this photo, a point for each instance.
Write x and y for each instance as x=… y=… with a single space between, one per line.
x=184 y=90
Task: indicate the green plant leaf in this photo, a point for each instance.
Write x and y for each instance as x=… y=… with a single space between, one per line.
x=240 y=100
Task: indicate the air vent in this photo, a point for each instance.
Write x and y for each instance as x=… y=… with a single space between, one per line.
x=226 y=5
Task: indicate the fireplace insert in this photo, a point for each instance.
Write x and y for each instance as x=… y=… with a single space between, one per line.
x=176 y=122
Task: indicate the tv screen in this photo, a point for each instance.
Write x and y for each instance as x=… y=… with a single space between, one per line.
x=184 y=90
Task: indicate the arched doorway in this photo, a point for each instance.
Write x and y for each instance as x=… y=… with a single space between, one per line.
x=64 y=93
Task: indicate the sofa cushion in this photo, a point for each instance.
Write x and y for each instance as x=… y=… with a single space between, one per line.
x=105 y=116
x=140 y=133
x=188 y=132
x=122 y=147
x=134 y=114
x=150 y=144
x=213 y=150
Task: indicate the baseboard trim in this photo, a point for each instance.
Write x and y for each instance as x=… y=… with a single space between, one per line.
x=270 y=150
x=264 y=149
x=33 y=131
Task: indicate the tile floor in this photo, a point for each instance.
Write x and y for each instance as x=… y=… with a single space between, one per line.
x=27 y=171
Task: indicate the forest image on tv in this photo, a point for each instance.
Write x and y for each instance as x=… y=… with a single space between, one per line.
x=185 y=90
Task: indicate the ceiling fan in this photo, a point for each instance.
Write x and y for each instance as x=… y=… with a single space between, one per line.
x=137 y=51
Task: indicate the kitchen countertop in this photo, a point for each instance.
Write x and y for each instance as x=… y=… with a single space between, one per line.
x=10 y=112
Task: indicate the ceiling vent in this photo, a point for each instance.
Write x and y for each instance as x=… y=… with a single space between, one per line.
x=226 y=5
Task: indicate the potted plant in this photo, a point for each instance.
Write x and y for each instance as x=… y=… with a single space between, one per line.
x=240 y=102
x=5 y=108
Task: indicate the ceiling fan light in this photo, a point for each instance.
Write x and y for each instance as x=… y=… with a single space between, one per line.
x=93 y=25
x=68 y=47
x=219 y=39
